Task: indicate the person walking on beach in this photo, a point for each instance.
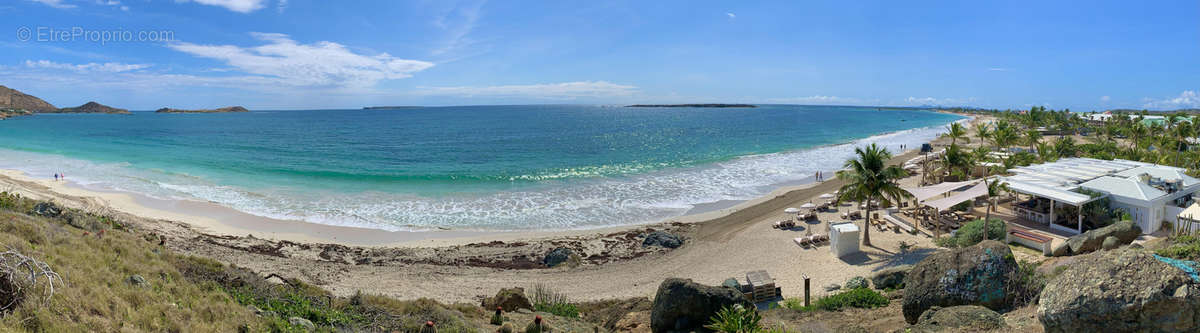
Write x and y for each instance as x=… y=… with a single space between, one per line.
x=56 y=177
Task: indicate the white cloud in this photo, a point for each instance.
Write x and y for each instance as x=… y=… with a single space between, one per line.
x=938 y=101
x=816 y=99
x=240 y=6
x=1186 y=100
x=997 y=69
x=55 y=3
x=108 y=67
x=1105 y=98
x=281 y=5
x=458 y=23
x=565 y=90
x=731 y=15
x=318 y=64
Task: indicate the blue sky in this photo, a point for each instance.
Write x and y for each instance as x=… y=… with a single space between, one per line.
x=296 y=54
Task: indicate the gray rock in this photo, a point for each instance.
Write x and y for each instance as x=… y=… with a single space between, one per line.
x=963 y=318
x=975 y=275
x=557 y=256
x=662 y=239
x=683 y=305
x=137 y=280
x=1063 y=249
x=1110 y=243
x=307 y=324
x=1125 y=231
x=47 y=209
x=832 y=287
x=856 y=282
x=1124 y=290
x=891 y=277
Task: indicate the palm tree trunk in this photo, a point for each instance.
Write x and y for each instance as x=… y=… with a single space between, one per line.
x=987 y=218
x=867 y=225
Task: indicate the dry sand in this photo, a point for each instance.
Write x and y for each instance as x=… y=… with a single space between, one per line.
x=461 y=266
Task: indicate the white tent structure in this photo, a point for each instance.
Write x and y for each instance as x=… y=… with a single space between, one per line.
x=925 y=192
x=976 y=191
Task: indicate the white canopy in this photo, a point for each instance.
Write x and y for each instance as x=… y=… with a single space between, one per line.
x=827 y=196
x=808 y=206
x=926 y=192
x=945 y=203
x=791 y=210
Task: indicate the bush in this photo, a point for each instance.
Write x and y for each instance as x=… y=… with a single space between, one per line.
x=547 y=300
x=854 y=298
x=971 y=233
x=1184 y=247
x=1028 y=285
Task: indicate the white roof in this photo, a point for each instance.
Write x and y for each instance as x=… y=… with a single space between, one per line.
x=1191 y=213
x=1162 y=172
x=1124 y=187
x=926 y=192
x=1057 y=180
x=945 y=203
x=1065 y=196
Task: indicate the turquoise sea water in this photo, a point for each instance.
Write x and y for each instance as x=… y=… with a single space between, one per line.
x=468 y=167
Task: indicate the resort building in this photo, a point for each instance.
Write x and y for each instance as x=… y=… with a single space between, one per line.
x=1058 y=194
x=1098 y=117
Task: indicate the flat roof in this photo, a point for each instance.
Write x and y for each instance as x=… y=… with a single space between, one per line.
x=1060 y=179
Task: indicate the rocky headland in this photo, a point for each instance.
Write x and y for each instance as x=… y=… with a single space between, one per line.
x=217 y=110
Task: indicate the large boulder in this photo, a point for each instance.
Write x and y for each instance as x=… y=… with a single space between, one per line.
x=509 y=299
x=662 y=239
x=47 y=209
x=891 y=277
x=975 y=275
x=683 y=305
x=557 y=256
x=1124 y=290
x=962 y=318
x=1110 y=243
x=1124 y=231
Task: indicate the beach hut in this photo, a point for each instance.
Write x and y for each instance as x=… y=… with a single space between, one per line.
x=843 y=239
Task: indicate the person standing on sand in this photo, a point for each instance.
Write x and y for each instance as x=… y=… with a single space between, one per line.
x=56 y=177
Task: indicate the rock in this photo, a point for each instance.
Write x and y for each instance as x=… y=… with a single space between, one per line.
x=683 y=305
x=13 y=99
x=974 y=275
x=137 y=280
x=47 y=209
x=662 y=239
x=963 y=318
x=891 y=277
x=1124 y=290
x=1110 y=243
x=1062 y=249
x=856 y=282
x=832 y=287
x=509 y=299
x=307 y=324
x=557 y=256
x=93 y=107
x=1125 y=231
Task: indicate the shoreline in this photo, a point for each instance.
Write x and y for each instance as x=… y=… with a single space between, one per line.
x=216 y=219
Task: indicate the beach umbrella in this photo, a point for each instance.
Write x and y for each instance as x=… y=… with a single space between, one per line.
x=827 y=196
x=792 y=210
x=808 y=206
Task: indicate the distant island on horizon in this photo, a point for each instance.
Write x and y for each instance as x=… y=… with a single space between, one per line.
x=217 y=110
x=692 y=106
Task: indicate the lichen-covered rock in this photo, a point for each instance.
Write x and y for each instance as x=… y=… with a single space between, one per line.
x=557 y=256
x=1125 y=290
x=1124 y=231
x=974 y=275
x=963 y=318
x=662 y=239
x=856 y=282
x=47 y=209
x=1060 y=250
x=1110 y=243
x=509 y=299
x=683 y=305
x=305 y=323
x=891 y=277
x=832 y=287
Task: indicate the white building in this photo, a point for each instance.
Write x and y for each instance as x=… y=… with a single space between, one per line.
x=1098 y=117
x=1150 y=193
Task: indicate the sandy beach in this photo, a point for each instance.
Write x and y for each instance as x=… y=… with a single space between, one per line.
x=462 y=266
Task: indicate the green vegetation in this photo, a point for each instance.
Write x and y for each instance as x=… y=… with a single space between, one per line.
x=1183 y=247
x=868 y=178
x=971 y=233
x=737 y=319
x=864 y=298
x=1028 y=284
x=547 y=300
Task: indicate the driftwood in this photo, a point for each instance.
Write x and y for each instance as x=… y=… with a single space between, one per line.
x=19 y=272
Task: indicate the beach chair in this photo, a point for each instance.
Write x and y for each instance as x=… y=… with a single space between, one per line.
x=802 y=241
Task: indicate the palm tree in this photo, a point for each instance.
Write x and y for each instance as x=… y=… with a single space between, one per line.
x=1045 y=152
x=957 y=162
x=956 y=131
x=1064 y=146
x=1032 y=137
x=982 y=131
x=869 y=177
x=994 y=187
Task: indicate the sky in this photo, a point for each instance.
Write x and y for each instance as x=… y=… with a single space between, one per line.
x=299 y=54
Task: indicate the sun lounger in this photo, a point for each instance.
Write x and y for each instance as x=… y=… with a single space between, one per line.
x=802 y=241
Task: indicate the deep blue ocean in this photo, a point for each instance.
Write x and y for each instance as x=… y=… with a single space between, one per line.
x=530 y=167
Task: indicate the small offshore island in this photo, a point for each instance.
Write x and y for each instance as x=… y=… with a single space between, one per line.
x=217 y=110
x=91 y=107
x=692 y=106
